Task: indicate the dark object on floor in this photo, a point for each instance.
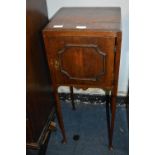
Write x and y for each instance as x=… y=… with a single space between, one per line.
x=89 y=121
x=76 y=137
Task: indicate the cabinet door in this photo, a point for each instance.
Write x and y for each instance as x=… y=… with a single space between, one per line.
x=83 y=60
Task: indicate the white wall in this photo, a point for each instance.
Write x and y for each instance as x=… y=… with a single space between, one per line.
x=53 y=6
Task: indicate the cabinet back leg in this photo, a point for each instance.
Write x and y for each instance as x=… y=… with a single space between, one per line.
x=72 y=97
x=113 y=110
x=108 y=113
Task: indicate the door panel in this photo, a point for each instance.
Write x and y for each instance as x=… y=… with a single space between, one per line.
x=79 y=66
x=85 y=59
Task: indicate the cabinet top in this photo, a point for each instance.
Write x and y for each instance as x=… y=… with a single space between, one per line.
x=86 y=18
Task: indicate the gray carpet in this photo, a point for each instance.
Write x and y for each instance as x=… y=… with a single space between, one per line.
x=89 y=122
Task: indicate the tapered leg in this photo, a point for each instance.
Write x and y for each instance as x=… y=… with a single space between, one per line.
x=115 y=84
x=60 y=118
x=107 y=112
x=113 y=110
x=72 y=97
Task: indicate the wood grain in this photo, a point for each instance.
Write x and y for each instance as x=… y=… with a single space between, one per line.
x=87 y=57
x=38 y=86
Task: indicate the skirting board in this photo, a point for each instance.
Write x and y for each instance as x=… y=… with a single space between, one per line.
x=92 y=99
x=89 y=91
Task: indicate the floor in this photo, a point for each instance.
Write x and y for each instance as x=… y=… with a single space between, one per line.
x=89 y=122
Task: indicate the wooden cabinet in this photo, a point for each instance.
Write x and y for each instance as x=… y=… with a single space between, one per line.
x=39 y=99
x=83 y=48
